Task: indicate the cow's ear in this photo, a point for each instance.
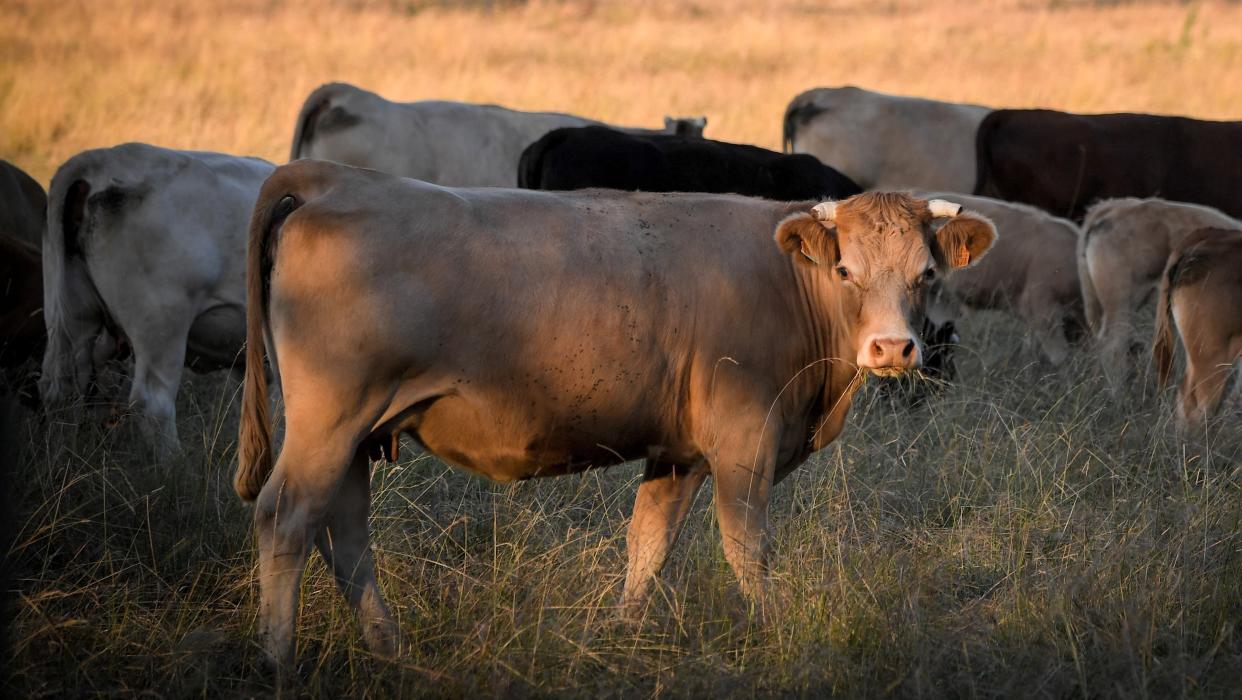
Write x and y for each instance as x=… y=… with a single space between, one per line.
x=963 y=240
x=808 y=240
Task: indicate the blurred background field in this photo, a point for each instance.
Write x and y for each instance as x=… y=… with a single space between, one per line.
x=231 y=75
x=1026 y=534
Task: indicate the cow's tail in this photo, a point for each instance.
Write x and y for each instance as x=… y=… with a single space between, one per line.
x=1092 y=308
x=983 y=155
x=67 y=214
x=1098 y=220
x=800 y=110
x=530 y=165
x=314 y=106
x=1163 y=342
x=254 y=446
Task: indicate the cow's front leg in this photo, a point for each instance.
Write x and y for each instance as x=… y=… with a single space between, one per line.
x=743 y=471
x=664 y=498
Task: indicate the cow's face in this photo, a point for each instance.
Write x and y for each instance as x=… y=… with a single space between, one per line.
x=873 y=257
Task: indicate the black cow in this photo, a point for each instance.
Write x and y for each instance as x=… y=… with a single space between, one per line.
x=593 y=156
x=1064 y=162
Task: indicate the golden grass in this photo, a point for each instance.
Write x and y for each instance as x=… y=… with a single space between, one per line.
x=231 y=75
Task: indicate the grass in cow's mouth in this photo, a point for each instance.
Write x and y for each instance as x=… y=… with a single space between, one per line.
x=1020 y=533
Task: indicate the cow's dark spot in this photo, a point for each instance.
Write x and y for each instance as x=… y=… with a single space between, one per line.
x=336 y=119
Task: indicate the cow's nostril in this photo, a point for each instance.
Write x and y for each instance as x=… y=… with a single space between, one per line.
x=905 y=352
x=877 y=349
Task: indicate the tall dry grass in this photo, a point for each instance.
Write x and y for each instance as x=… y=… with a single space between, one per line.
x=1020 y=536
x=1025 y=534
x=230 y=75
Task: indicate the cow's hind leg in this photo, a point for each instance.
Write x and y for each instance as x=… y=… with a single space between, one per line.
x=1045 y=325
x=159 y=360
x=664 y=498
x=345 y=543
x=297 y=501
x=1117 y=297
x=1203 y=387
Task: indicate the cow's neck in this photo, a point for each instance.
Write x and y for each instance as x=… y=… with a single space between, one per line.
x=827 y=354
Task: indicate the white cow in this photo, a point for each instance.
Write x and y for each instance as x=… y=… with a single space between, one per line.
x=1031 y=272
x=449 y=143
x=147 y=244
x=886 y=141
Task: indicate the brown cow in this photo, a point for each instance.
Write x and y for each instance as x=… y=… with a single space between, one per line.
x=1201 y=296
x=518 y=334
x=1124 y=247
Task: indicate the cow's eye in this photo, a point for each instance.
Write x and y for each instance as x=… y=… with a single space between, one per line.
x=929 y=274
x=845 y=274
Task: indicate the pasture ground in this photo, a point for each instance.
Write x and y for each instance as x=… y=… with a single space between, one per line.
x=1026 y=534
x=1020 y=536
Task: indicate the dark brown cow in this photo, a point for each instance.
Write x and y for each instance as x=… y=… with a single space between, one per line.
x=23 y=205
x=518 y=334
x=1201 y=299
x=22 y=335
x=1062 y=162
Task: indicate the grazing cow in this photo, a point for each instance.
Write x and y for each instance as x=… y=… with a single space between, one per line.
x=23 y=205
x=1124 y=247
x=1201 y=298
x=518 y=334
x=1064 y=162
x=146 y=244
x=1031 y=272
x=595 y=156
x=22 y=337
x=449 y=143
x=886 y=141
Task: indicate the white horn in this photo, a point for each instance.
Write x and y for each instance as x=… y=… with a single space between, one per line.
x=825 y=211
x=940 y=207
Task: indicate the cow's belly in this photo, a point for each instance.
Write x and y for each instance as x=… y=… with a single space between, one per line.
x=513 y=437
x=216 y=339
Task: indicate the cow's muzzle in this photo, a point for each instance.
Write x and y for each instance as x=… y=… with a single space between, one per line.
x=890 y=356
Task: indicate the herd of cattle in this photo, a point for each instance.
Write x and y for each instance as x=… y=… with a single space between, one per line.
x=706 y=306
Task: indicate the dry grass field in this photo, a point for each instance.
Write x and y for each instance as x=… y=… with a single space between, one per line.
x=230 y=75
x=1024 y=535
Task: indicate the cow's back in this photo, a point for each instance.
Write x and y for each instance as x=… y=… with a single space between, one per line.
x=173 y=207
x=585 y=157
x=448 y=143
x=1034 y=249
x=886 y=141
x=1064 y=162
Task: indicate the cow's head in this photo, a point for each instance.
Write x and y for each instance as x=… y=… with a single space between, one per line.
x=872 y=258
x=690 y=127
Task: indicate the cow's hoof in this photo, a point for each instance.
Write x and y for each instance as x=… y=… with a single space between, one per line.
x=382 y=637
x=278 y=657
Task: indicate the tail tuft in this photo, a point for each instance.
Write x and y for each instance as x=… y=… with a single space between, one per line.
x=254 y=444
x=1163 y=343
